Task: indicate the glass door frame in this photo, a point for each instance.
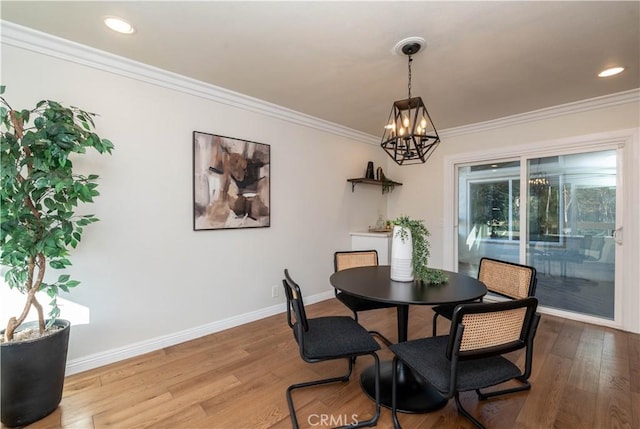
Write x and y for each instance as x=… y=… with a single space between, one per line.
x=625 y=143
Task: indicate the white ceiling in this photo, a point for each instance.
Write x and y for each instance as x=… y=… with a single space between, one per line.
x=334 y=60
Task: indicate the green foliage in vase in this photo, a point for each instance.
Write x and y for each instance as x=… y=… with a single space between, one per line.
x=420 y=255
x=39 y=193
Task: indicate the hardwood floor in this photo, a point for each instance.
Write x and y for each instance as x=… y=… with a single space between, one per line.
x=584 y=376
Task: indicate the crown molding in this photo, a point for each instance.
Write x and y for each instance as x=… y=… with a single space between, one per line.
x=610 y=100
x=56 y=47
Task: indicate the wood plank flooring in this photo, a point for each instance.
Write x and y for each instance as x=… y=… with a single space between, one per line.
x=584 y=376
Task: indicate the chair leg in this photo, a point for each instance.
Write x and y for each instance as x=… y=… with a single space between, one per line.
x=376 y=333
x=382 y=337
x=485 y=395
x=374 y=420
x=344 y=378
x=290 y=389
x=465 y=413
x=394 y=409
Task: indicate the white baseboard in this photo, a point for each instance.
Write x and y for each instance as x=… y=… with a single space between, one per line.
x=114 y=355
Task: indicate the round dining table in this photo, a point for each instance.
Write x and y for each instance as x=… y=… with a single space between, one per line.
x=414 y=394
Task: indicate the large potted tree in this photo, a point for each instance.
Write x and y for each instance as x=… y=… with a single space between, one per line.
x=39 y=195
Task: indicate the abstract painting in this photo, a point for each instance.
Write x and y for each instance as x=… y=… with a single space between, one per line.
x=231 y=183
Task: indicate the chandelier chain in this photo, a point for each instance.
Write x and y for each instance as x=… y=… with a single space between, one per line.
x=409 y=84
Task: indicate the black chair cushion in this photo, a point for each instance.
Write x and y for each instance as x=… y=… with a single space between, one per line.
x=360 y=304
x=336 y=336
x=427 y=357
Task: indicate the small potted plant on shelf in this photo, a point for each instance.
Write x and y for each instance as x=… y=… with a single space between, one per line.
x=39 y=193
x=415 y=231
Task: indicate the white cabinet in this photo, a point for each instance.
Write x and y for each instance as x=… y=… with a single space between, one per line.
x=378 y=241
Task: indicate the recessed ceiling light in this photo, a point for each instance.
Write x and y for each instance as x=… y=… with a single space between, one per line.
x=118 y=24
x=611 y=71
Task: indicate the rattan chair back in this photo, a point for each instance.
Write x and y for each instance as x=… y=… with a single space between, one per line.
x=356 y=258
x=492 y=329
x=343 y=260
x=294 y=302
x=507 y=278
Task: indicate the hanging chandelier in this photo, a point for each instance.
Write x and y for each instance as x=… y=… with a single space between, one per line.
x=410 y=136
x=539 y=182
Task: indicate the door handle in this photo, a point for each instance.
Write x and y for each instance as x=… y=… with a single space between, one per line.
x=617 y=236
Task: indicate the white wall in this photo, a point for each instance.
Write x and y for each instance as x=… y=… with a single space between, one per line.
x=146 y=275
x=424 y=196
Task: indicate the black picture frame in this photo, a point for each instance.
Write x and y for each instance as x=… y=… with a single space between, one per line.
x=231 y=183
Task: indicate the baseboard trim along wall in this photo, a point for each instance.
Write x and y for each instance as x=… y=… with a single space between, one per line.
x=107 y=357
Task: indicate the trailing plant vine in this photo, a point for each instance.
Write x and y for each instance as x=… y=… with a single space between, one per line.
x=420 y=255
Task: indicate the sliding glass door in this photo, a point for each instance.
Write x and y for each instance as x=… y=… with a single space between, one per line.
x=488 y=213
x=572 y=222
x=557 y=213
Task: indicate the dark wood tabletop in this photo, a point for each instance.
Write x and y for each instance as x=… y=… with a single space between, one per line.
x=375 y=283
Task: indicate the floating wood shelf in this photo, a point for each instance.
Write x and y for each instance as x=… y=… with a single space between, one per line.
x=387 y=185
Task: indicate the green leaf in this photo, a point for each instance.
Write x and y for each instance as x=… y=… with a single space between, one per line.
x=72 y=283
x=54 y=313
x=52 y=291
x=24 y=114
x=56 y=265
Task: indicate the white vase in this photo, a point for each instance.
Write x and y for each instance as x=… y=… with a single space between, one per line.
x=401 y=251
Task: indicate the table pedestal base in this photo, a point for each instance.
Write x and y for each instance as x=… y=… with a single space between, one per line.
x=414 y=394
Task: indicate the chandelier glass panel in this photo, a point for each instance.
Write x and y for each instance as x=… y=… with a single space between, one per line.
x=410 y=136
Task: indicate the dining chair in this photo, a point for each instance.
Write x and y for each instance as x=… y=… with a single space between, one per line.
x=472 y=357
x=328 y=338
x=358 y=258
x=507 y=279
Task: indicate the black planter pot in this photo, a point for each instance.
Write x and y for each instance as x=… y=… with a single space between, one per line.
x=32 y=376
